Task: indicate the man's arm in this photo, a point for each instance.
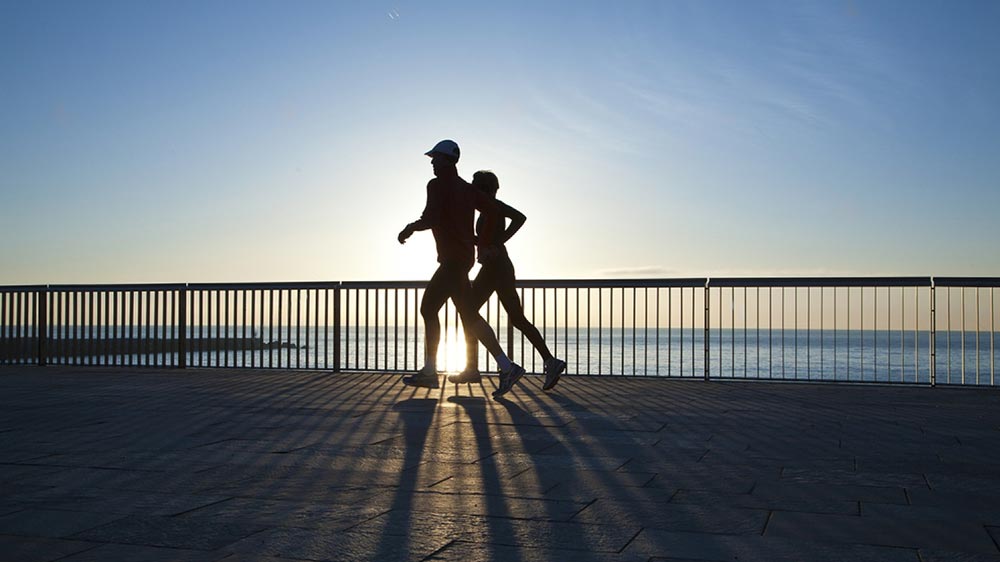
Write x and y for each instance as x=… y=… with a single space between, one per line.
x=430 y=216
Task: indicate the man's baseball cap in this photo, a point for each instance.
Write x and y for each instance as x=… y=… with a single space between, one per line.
x=447 y=148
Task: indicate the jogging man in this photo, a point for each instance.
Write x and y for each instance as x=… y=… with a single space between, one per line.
x=450 y=214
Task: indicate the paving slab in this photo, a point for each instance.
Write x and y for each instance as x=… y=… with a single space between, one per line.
x=32 y=549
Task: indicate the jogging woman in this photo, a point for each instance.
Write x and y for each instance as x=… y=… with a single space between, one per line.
x=497 y=275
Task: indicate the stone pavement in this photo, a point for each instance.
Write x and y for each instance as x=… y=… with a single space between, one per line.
x=205 y=465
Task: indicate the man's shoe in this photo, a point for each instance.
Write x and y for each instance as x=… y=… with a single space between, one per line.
x=553 y=369
x=468 y=376
x=508 y=380
x=423 y=378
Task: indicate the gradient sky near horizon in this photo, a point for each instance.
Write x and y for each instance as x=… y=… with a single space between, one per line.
x=188 y=141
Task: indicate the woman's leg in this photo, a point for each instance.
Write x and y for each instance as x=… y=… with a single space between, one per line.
x=482 y=287
x=515 y=312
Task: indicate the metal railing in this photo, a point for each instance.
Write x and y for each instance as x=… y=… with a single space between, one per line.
x=889 y=329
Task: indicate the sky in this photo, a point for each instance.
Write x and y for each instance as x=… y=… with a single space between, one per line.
x=219 y=141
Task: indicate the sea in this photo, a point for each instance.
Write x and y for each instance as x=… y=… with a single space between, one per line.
x=820 y=355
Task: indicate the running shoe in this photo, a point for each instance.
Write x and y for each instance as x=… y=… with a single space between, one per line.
x=425 y=378
x=508 y=380
x=553 y=368
x=468 y=376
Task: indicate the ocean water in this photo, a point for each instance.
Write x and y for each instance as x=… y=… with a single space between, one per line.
x=845 y=355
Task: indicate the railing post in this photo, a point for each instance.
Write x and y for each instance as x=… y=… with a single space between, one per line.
x=182 y=328
x=41 y=323
x=336 y=328
x=933 y=335
x=705 y=337
x=510 y=340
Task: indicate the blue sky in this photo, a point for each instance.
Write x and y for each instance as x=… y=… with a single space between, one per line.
x=258 y=141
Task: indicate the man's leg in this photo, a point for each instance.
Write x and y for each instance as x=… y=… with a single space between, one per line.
x=482 y=287
x=435 y=295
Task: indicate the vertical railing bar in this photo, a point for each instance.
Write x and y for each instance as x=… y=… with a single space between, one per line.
x=199 y=300
x=115 y=321
x=694 y=359
x=808 y=333
x=932 y=352
x=219 y=296
x=161 y=329
x=255 y=315
x=770 y=332
x=949 y=334
x=416 y=329
x=375 y=328
x=305 y=316
x=227 y=327
x=633 y=330
x=566 y=324
x=336 y=327
x=298 y=327
x=243 y=327
x=992 y=334
x=395 y=324
x=182 y=322
x=600 y=325
x=545 y=322
x=589 y=315
x=270 y=328
x=357 y=328
x=152 y=303
x=732 y=331
x=42 y=325
x=978 y=291
x=963 y=334
x=6 y=358
x=6 y=334
x=705 y=334
x=524 y=361
x=822 y=343
x=795 y=308
x=902 y=333
x=577 y=299
x=406 y=328
x=657 y=332
x=680 y=329
x=385 y=329
x=875 y=336
x=645 y=331
x=288 y=329
x=326 y=328
x=719 y=340
x=916 y=324
x=783 y=300
x=745 y=332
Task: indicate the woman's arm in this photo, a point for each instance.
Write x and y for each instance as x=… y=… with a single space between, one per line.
x=516 y=217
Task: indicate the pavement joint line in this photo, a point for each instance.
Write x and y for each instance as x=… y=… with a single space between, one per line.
x=767 y=521
x=993 y=538
x=639 y=532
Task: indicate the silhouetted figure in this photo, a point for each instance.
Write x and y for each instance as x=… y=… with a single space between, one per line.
x=497 y=274
x=450 y=214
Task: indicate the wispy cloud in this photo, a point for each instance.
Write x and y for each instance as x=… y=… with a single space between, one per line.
x=638 y=271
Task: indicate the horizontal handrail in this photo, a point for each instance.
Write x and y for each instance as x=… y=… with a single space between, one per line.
x=967 y=281
x=820 y=282
x=713 y=282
